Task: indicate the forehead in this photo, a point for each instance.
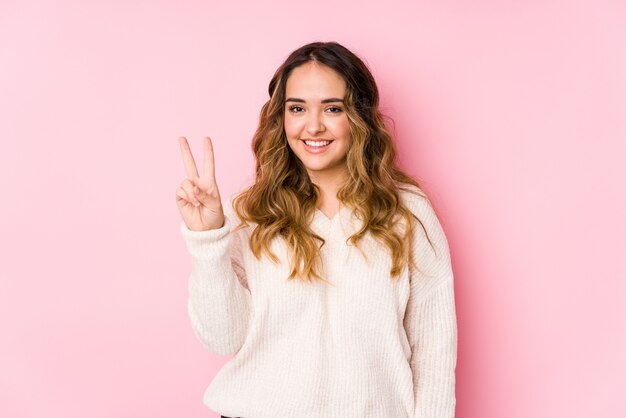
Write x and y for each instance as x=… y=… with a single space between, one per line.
x=314 y=80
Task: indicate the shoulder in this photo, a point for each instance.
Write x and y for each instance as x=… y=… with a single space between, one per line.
x=229 y=205
x=240 y=231
x=428 y=230
x=229 y=210
x=415 y=200
x=430 y=249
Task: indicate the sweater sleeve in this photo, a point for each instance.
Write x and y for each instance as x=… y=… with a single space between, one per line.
x=430 y=318
x=219 y=305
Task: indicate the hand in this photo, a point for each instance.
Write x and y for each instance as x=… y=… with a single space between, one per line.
x=197 y=197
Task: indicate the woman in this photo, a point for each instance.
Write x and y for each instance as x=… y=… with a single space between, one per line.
x=329 y=278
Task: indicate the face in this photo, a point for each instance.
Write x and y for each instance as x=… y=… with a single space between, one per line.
x=316 y=123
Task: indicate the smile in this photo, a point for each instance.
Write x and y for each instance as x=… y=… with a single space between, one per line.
x=316 y=146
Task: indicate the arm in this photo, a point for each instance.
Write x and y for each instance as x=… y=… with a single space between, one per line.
x=430 y=318
x=219 y=305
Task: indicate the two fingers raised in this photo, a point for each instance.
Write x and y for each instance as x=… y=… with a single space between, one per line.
x=190 y=163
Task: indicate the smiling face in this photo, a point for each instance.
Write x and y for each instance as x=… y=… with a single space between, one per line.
x=316 y=123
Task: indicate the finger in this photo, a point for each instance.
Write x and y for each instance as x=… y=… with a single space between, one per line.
x=203 y=197
x=190 y=190
x=190 y=163
x=209 y=160
x=181 y=197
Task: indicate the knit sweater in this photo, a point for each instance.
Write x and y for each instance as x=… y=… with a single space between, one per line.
x=365 y=346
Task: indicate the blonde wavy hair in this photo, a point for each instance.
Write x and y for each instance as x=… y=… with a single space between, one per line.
x=283 y=199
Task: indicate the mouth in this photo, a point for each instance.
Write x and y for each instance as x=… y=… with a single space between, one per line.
x=316 y=145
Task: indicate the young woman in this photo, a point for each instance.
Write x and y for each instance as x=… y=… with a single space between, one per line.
x=329 y=278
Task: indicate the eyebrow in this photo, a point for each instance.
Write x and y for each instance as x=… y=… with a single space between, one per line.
x=330 y=100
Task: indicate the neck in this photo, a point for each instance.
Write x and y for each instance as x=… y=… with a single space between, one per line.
x=329 y=184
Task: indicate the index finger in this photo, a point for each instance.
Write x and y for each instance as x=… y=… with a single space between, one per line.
x=190 y=163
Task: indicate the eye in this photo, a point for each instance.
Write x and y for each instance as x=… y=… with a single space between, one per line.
x=334 y=109
x=296 y=109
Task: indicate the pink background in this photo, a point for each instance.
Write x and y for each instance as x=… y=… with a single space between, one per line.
x=512 y=115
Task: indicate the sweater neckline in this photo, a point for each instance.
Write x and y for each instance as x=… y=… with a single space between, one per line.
x=322 y=221
x=332 y=218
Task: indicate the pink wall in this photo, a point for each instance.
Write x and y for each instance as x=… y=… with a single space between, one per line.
x=512 y=115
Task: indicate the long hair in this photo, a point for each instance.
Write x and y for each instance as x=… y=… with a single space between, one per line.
x=283 y=199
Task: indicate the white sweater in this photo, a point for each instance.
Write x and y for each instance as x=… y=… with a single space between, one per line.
x=369 y=346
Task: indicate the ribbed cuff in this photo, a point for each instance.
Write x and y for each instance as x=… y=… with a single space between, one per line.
x=207 y=244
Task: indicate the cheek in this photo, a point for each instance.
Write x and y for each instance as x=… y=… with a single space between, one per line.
x=291 y=127
x=343 y=127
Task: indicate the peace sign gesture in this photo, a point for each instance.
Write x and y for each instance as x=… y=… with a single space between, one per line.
x=197 y=197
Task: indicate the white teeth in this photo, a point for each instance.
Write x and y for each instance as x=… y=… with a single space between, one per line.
x=317 y=143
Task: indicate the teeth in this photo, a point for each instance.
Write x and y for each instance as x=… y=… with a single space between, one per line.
x=317 y=143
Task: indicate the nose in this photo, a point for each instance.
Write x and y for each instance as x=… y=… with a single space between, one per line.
x=314 y=124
